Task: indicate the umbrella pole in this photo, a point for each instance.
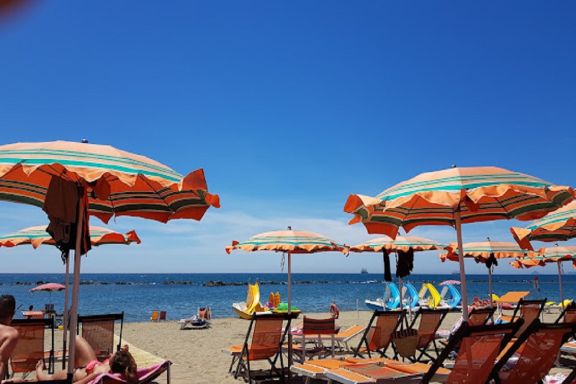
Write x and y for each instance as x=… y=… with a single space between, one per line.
x=561 y=286
x=461 y=262
x=66 y=314
x=490 y=285
x=289 y=307
x=75 y=290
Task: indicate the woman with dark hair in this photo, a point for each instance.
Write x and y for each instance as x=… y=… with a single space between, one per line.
x=120 y=362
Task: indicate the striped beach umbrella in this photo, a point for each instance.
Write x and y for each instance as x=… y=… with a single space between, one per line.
x=455 y=196
x=549 y=255
x=36 y=236
x=483 y=251
x=288 y=241
x=109 y=182
x=559 y=225
x=399 y=244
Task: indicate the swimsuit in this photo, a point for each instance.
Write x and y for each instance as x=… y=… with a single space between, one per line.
x=93 y=364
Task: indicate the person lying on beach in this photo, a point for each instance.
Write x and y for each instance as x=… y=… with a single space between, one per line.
x=120 y=362
x=8 y=334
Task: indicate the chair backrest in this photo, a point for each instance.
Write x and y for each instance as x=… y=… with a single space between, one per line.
x=30 y=346
x=568 y=314
x=478 y=348
x=382 y=325
x=318 y=326
x=529 y=311
x=480 y=316
x=430 y=321
x=533 y=354
x=98 y=330
x=155 y=316
x=162 y=315
x=268 y=334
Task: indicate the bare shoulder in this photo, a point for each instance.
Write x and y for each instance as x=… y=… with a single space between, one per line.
x=8 y=332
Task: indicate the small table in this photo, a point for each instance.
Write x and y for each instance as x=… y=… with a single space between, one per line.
x=33 y=314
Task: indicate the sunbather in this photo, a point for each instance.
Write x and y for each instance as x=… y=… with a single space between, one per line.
x=120 y=362
x=8 y=334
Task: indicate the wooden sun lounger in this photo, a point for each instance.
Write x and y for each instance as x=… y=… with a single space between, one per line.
x=344 y=336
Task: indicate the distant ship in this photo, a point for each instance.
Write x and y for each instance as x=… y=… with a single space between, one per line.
x=363 y=271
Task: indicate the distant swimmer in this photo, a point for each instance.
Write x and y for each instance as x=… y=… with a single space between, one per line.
x=334 y=310
x=536 y=283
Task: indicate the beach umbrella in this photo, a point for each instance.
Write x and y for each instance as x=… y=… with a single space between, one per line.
x=289 y=242
x=37 y=236
x=71 y=180
x=559 y=225
x=485 y=252
x=455 y=196
x=386 y=244
x=549 y=255
x=449 y=282
x=48 y=287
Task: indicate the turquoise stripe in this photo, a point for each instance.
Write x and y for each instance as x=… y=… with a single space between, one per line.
x=88 y=155
x=15 y=161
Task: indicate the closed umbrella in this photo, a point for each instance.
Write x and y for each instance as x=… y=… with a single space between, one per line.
x=71 y=180
x=455 y=196
x=559 y=225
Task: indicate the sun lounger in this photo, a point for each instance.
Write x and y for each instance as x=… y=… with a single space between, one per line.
x=371 y=373
x=429 y=322
x=146 y=375
x=378 y=335
x=510 y=299
x=30 y=347
x=528 y=310
x=477 y=349
x=533 y=354
x=98 y=330
x=343 y=337
x=315 y=328
x=263 y=342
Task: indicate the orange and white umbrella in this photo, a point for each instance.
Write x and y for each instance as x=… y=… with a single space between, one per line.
x=455 y=196
x=559 y=225
x=108 y=182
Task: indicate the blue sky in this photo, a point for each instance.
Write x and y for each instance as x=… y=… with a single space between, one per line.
x=289 y=107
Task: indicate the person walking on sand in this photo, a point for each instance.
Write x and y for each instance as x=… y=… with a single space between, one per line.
x=8 y=334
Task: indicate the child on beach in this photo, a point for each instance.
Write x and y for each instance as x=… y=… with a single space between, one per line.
x=120 y=362
x=8 y=334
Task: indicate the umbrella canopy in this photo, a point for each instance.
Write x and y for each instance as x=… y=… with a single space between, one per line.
x=288 y=241
x=559 y=225
x=450 y=282
x=120 y=183
x=48 y=287
x=549 y=255
x=400 y=243
x=37 y=236
x=483 y=252
x=103 y=181
x=455 y=196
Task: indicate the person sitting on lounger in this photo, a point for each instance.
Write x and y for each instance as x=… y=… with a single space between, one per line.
x=8 y=334
x=120 y=362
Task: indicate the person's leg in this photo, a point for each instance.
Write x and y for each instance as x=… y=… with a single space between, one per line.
x=84 y=352
x=79 y=374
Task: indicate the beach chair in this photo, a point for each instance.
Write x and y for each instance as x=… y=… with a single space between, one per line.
x=315 y=328
x=378 y=334
x=263 y=342
x=477 y=349
x=98 y=331
x=344 y=336
x=509 y=300
x=162 y=316
x=568 y=314
x=476 y=317
x=146 y=375
x=30 y=347
x=533 y=353
x=528 y=310
x=430 y=321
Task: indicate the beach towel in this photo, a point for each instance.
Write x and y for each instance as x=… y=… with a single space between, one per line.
x=145 y=375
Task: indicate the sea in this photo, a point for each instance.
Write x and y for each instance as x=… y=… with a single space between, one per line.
x=180 y=295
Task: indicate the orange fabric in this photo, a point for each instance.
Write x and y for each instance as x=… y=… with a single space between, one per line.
x=266 y=337
x=476 y=358
x=429 y=324
x=512 y=297
x=29 y=349
x=380 y=335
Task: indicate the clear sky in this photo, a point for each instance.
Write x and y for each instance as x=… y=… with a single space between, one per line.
x=289 y=106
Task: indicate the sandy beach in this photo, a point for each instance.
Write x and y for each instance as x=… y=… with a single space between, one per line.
x=197 y=354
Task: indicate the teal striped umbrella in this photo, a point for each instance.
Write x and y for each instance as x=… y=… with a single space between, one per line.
x=559 y=225
x=455 y=196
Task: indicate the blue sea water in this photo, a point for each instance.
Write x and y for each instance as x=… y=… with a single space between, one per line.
x=181 y=294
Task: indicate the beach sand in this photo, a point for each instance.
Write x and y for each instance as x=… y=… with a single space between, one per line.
x=197 y=354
